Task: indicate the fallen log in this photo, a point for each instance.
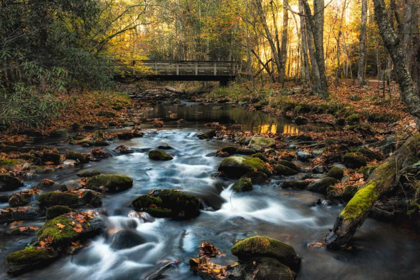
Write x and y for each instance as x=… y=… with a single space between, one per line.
x=378 y=183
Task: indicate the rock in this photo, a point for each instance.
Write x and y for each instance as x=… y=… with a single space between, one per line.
x=20 y=214
x=19 y=199
x=101 y=143
x=88 y=173
x=300 y=138
x=246 y=151
x=64 y=234
x=242 y=185
x=259 y=142
x=125 y=135
x=382 y=215
x=289 y=164
x=207 y=135
x=304 y=156
x=237 y=166
x=256 y=177
x=353 y=119
x=164 y=146
x=295 y=184
x=229 y=150
x=321 y=185
x=260 y=156
x=91 y=198
x=367 y=170
x=137 y=134
x=364 y=129
x=336 y=172
x=9 y=183
x=355 y=97
x=368 y=153
x=4 y=198
x=77 y=156
x=318 y=169
x=265 y=247
x=300 y=120
x=262 y=269
x=124 y=239
x=354 y=160
x=59 y=198
x=349 y=192
x=169 y=203
x=85 y=142
x=282 y=170
x=55 y=211
x=159 y=155
x=109 y=183
x=340 y=122
x=51 y=157
x=29 y=259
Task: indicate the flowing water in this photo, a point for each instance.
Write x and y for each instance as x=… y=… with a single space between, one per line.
x=380 y=250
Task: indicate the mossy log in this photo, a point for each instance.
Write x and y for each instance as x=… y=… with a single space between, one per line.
x=381 y=180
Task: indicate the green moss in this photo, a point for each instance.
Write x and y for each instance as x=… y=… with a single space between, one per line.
x=242 y=185
x=58 y=198
x=260 y=156
x=367 y=170
x=159 y=155
x=354 y=160
x=289 y=164
x=160 y=212
x=336 y=172
x=230 y=150
x=284 y=170
x=16 y=200
x=144 y=201
x=8 y=162
x=61 y=236
x=361 y=202
x=55 y=211
x=238 y=166
x=111 y=183
x=29 y=255
x=256 y=177
x=353 y=119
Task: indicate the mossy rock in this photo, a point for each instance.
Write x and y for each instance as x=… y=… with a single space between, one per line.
x=125 y=135
x=207 y=135
x=29 y=259
x=295 y=184
x=88 y=173
x=92 y=199
x=336 y=172
x=237 y=166
x=9 y=183
x=353 y=119
x=17 y=199
x=159 y=155
x=242 y=185
x=361 y=202
x=349 y=192
x=85 y=142
x=101 y=143
x=260 y=156
x=354 y=160
x=55 y=211
x=51 y=157
x=259 y=142
x=58 y=198
x=264 y=269
x=300 y=120
x=256 y=177
x=289 y=164
x=160 y=212
x=261 y=246
x=77 y=156
x=245 y=151
x=322 y=185
x=109 y=183
x=145 y=201
x=230 y=150
x=282 y=170
x=368 y=153
x=367 y=170
x=124 y=239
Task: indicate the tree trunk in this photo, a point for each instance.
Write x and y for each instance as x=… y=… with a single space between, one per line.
x=362 y=46
x=356 y=211
x=283 y=54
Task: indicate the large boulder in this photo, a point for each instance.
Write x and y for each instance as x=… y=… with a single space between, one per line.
x=256 y=177
x=29 y=259
x=88 y=173
x=59 y=198
x=124 y=239
x=289 y=164
x=51 y=157
x=336 y=172
x=283 y=170
x=242 y=185
x=295 y=184
x=230 y=150
x=265 y=247
x=9 y=183
x=61 y=231
x=237 y=166
x=321 y=185
x=20 y=214
x=55 y=211
x=109 y=183
x=159 y=155
x=262 y=269
x=77 y=156
x=259 y=142
x=168 y=204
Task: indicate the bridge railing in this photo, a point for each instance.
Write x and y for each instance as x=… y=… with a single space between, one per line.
x=190 y=68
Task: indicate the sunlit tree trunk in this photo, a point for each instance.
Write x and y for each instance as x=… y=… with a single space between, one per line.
x=283 y=55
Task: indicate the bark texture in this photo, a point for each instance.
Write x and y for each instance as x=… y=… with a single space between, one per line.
x=362 y=45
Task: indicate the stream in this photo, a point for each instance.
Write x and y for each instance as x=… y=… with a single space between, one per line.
x=381 y=251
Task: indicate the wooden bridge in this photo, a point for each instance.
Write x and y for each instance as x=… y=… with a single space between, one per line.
x=223 y=71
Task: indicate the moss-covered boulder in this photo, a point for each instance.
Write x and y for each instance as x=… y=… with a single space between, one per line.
x=321 y=185
x=242 y=185
x=367 y=170
x=237 y=166
x=368 y=153
x=230 y=150
x=261 y=246
x=51 y=157
x=77 y=156
x=263 y=269
x=109 y=183
x=295 y=184
x=20 y=214
x=19 y=199
x=207 y=135
x=336 y=172
x=88 y=173
x=168 y=204
x=55 y=211
x=9 y=183
x=353 y=119
x=289 y=164
x=70 y=227
x=354 y=160
x=159 y=155
x=125 y=135
x=245 y=151
x=282 y=170
x=29 y=259
x=259 y=142
x=260 y=156
x=349 y=192
x=256 y=177
x=59 y=198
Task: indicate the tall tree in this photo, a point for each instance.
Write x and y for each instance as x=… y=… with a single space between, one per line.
x=283 y=54
x=362 y=45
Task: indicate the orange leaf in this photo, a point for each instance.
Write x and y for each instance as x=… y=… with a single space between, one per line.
x=61 y=226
